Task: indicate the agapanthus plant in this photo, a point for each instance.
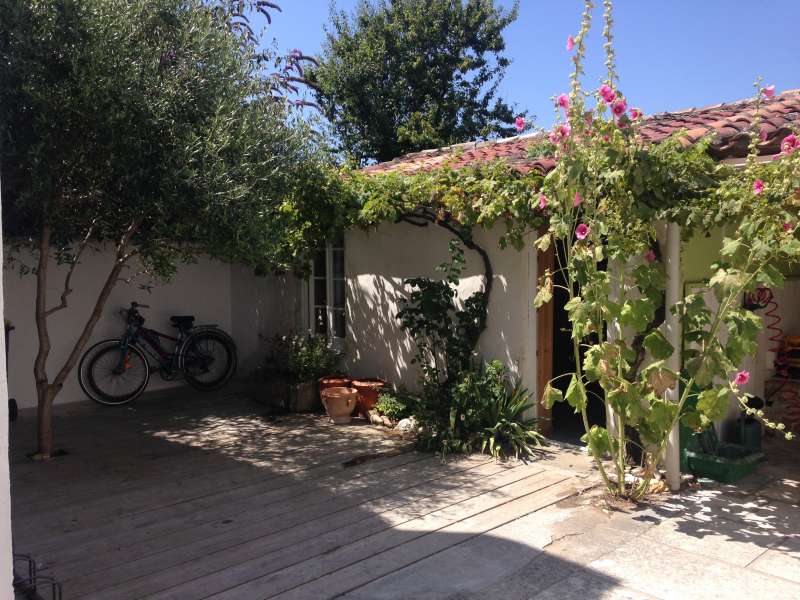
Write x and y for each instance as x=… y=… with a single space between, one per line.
x=605 y=198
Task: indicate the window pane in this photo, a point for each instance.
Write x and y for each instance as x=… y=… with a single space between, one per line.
x=320 y=295
x=320 y=320
x=320 y=264
x=338 y=293
x=338 y=240
x=338 y=323
x=338 y=263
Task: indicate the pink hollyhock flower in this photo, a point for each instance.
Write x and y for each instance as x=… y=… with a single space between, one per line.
x=742 y=377
x=769 y=91
x=635 y=113
x=570 y=43
x=563 y=101
x=787 y=227
x=619 y=107
x=565 y=130
x=607 y=94
x=790 y=143
x=650 y=257
x=582 y=231
x=606 y=138
x=553 y=137
x=519 y=124
x=758 y=187
x=542 y=201
x=577 y=200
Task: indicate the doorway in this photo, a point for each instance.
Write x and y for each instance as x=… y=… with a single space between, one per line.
x=566 y=424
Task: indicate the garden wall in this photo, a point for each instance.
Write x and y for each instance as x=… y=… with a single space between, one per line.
x=378 y=261
x=228 y=295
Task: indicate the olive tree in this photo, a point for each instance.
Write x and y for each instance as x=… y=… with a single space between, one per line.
x=152 y=126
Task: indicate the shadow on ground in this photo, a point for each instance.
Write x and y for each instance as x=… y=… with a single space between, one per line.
x=187 y=496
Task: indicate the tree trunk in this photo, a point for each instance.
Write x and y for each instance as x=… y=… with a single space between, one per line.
x=43 y=391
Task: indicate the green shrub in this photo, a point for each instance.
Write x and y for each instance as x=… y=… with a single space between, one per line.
x=299 y=359
x=395 y=406
x=483 y=411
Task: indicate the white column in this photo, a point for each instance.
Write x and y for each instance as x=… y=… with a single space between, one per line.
x=6 y=561
x=674 y=335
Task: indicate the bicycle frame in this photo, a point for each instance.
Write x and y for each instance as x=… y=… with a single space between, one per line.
x=148 y=340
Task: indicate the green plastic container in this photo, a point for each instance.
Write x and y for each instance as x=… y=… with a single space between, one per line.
x=731 y=463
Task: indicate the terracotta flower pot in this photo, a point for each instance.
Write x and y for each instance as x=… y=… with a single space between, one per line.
x=339 y=403
x=330 y=381
x=368 y=391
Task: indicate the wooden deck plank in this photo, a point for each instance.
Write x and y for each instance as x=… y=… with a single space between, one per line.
x=146 y=532
x=109 y=549
x=194 y=499
x=189 y=464
x=114 y=515
x=167 y=570
x=357 y=575
x=314 y=573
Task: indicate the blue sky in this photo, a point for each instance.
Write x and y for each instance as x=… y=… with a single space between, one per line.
x=671 y=54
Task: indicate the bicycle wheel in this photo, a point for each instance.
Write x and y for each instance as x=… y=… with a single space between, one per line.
x=108 y=382
x=208 y=359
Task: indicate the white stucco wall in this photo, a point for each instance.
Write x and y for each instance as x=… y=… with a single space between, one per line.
x=262 y=307
x=229 y=296
x=378 y=261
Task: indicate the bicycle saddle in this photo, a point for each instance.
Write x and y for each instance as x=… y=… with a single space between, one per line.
x=182 y=321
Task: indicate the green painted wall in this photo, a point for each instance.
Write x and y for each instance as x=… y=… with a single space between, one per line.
x=701 y=251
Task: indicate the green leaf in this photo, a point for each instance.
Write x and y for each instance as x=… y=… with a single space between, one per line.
x=550 y=396
x=658 y=346
x=637 y=314
x=543 y=242
x=576 y=394
x=714 y=403
x=730 y=246
x=599 y=441
x=662 y=414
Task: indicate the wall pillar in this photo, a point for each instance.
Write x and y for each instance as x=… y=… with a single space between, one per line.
x=674 y=335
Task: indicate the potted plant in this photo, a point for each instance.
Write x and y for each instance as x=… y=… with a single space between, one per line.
x=368 y=391
x=271 y=379
x=308 y=358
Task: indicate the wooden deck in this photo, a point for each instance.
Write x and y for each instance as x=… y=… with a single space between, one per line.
x=190 y=497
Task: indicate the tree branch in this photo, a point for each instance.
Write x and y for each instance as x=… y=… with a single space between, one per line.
x=68 y=290
x=105 y=292
x=422 y=217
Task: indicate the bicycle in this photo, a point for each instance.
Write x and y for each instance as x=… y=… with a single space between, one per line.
x=117 y=371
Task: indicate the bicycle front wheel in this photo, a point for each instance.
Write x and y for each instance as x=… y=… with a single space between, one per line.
x=208 y=359
x=113 y=375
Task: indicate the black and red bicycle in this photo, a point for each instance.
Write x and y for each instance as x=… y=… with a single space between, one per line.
x=117 y=371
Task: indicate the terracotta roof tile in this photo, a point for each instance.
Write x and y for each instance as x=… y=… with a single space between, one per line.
x=728 y=123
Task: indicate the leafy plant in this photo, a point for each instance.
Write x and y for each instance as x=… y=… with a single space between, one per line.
x=445 y=335
x=483 y=411
x=394 y=405
x=309 y=358
x=299 y=359
x=511 y=429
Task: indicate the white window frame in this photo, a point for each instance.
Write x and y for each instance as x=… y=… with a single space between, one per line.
x=336 y=342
